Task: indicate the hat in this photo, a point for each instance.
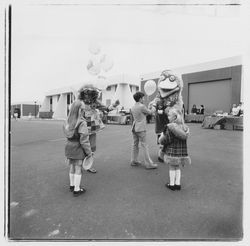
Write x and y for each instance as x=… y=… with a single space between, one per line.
x=88 y=162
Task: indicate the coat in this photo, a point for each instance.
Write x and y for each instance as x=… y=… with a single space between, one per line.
x=139 y=112
x=77 y=145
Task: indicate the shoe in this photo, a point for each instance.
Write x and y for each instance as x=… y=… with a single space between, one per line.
x=177 y=187
x=79 y=192
x=152 y=166
x=160 y=160
x=135 y=163
x=171 y=187
x=71 y=188
x=92 y=170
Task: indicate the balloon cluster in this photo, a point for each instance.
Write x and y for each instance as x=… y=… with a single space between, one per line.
x=95 y=65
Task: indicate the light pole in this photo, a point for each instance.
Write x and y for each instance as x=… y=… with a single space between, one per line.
x=35 y=109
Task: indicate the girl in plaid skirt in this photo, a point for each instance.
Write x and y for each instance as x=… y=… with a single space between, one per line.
x=174 y=141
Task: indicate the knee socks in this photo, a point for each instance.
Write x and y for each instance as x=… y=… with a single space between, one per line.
x=178 y=176
x=71 y=179
x=77 y=181
x=174 y=176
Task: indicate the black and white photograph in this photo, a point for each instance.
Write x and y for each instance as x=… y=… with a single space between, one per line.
x=125 y=121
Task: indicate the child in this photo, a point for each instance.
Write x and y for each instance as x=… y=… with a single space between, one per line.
x=89 y=95
x=139 y=113
x=174 y=141
x=77 y=146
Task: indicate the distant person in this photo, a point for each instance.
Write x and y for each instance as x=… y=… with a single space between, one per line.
x=240 y=109
x=174 y=140
x=194 y=109
x=139 y=113
x=234 y=110
x=202 y=109
x=15 y=115
x=77 y=146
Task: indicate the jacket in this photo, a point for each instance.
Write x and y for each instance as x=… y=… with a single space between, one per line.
x=139 y=112
x=77 y=145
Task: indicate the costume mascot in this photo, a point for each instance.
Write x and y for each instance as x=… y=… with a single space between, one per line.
x=168 y=96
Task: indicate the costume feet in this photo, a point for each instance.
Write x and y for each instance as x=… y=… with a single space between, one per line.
x=151 y=166
x=79 y=192
x=71 y=188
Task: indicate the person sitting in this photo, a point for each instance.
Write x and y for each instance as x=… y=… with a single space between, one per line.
x=202 y=109
x=194 y=109
x=235 y=110
x=240 y=109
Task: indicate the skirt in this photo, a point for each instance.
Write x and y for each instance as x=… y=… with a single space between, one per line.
x=70 y=161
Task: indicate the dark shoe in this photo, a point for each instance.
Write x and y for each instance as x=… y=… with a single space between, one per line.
x=71 y=188
x=92 y=170
x=151 y=166
x=135 y=163
x=177 y=187
x=79 y=192
x=171 y=187
x=160 y=160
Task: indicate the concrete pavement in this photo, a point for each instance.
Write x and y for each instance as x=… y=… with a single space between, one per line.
x=124 y=202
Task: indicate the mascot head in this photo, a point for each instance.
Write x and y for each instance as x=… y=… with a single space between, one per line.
x=169 y=83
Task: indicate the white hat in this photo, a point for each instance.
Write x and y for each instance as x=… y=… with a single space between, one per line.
x=88 y=162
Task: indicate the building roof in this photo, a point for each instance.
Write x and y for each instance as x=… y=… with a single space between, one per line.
x=198 y=67
x=26 y=102
x=100 y=82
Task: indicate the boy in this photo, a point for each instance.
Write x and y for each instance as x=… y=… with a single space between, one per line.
x=139 y=113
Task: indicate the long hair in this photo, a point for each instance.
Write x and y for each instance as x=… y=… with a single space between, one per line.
x=74 y=115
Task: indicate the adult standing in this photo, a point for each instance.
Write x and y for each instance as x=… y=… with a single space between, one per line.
x=139 y=113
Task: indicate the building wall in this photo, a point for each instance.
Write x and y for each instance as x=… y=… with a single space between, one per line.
x=30 y=109
x=219 y=88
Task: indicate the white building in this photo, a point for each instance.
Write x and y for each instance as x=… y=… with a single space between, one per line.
x=57 y=102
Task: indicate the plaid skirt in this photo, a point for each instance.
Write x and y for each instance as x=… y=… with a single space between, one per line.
x=176 y=154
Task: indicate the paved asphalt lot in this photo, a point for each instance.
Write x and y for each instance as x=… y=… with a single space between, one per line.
x=124 y=202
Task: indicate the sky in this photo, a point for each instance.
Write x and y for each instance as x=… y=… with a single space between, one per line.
x=50 y=43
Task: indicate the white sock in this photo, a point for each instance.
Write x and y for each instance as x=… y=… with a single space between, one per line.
x=77 y=181
x=178 y=176
x=71 y=179
x=171 y=176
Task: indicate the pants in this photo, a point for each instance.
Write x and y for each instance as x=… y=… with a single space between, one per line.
x=140 y=137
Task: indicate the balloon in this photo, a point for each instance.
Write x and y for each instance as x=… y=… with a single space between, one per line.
x=94 y=48
x=106 y=63
x=150 y=87
x=93 y=67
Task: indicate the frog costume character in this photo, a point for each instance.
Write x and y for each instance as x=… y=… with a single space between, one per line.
x=92 y=113
x=168 y=96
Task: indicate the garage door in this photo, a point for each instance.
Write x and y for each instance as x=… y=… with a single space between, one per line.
x=214 y=95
